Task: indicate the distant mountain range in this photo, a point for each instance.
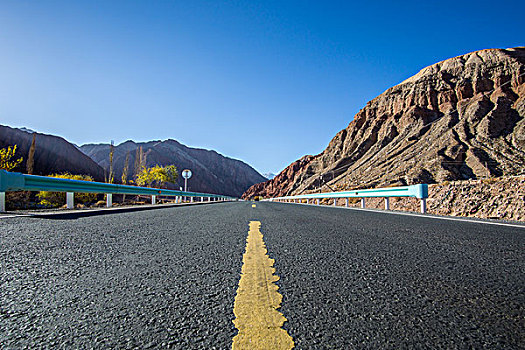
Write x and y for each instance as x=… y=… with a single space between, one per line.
x=462 y=118
x=212 y=172
x=53 y=154
x=269 y=176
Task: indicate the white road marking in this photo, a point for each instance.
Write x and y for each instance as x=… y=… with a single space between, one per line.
x=13 y=216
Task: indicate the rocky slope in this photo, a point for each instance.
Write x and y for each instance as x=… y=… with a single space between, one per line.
x=212 y=172
x=53 y=154
x=462 y=118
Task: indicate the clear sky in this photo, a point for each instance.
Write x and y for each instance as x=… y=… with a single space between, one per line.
x=262 y=81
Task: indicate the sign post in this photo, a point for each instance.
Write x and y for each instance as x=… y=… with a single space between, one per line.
x=186 y=174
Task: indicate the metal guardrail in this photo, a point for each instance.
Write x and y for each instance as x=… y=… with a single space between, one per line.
x=416 y=191
x=21 y=182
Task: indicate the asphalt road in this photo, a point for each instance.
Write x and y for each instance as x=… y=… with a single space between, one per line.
x=350 y=279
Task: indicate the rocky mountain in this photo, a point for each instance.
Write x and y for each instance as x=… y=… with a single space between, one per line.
x=462 y=118
x=53 y=154
x=212 y=172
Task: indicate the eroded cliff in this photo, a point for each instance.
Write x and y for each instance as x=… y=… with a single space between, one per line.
x=462 y=118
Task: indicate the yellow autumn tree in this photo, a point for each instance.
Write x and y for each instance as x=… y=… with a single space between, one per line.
x=157 y=175
x=54 y=199
x=6 y=158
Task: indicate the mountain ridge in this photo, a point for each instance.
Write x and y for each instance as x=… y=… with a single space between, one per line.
x=460 y=118
x=212 y=171
x=53 y=154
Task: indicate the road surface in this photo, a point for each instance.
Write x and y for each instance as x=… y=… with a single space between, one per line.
x=349 y=279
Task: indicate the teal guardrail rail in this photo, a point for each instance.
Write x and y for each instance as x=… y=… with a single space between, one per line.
x=21 y=182
x=417 y=191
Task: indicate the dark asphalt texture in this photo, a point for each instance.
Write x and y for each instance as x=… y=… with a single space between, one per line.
x=166 y=278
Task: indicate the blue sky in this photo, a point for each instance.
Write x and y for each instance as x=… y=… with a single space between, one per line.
x=262 y=81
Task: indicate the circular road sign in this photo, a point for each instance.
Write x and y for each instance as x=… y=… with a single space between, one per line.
x=186 y=173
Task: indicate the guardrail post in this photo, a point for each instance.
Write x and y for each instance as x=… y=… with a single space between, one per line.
x=2 y=201
x=335 y=202
x=307 y=201
x=387 y=203
x=109 y=200
x=363 y=205
x=423 y=205
x=191 y=199
x=70 y=200
x=346 y=202
x=153 y=199
x=317 y=201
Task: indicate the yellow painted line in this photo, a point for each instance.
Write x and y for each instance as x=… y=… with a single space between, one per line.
x=253 y=205
x=255 y=308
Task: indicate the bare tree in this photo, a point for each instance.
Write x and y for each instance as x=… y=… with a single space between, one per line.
x=111 y=152
x=136 y=167
x=143 y=157
x=125 y=171
x=30 y=165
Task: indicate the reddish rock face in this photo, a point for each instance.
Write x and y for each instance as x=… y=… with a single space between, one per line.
x=462 y=118
x=282 y=183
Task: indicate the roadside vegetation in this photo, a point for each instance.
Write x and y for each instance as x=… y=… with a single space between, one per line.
x=8 y=161
x=57 y=199
x=156 y=176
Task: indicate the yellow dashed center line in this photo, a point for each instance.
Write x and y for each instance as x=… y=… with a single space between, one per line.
x=256 y=316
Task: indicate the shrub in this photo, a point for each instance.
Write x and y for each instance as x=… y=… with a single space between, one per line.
x=490 y=181
x=55 y=199
x=6 y=158
x=158 y=175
